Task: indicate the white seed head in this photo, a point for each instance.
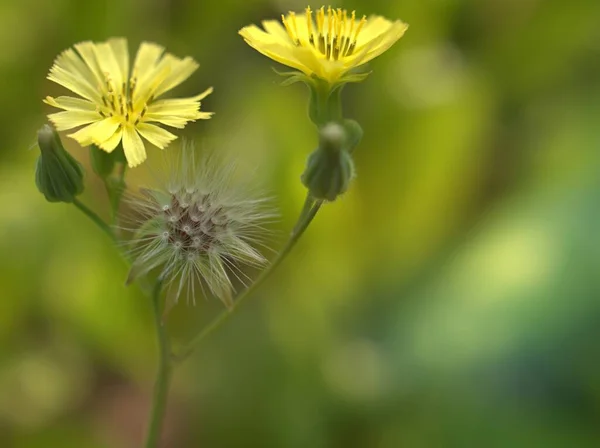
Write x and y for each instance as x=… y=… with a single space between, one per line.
x=199 y=227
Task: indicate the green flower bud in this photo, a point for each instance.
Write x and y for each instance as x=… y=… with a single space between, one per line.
x=329 y=168
x=58 y=176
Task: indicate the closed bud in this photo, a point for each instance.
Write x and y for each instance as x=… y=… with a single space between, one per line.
x=329 y=168
x=58 y=176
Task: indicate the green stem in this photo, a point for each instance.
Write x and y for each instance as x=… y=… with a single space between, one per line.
x=115 y=186
x=163 y=377
x=96 y=219
x=308 y=213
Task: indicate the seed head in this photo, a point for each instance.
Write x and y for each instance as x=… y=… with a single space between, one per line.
x=198 y=227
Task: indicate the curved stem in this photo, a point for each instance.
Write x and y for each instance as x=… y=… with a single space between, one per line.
x=97 y=220
x=163 y=377
x=309 y=211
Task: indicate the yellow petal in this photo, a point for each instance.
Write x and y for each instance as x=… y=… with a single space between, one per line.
x=273 y=48
x=301 y=28
x=275 y=28
x=146 y=60
x=184 y=108
x=109 y=65
x=204 y=115
x=375 y=26
x=181 y=69
x=147 y=57
x=88 y=54
x=382 y=43
x=174 y=122
x=74 y=83
x=72 y=119
x=70 y=103
x=121 y=52
x=202 y=95
x=73 y=69
x=146 y=88
x=314 y=62
x=135 y=153
x=96 y=132
x=155 y=135
x=112 y=142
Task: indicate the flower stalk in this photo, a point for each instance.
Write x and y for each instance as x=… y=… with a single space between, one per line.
x=95 y=219
x=325 y=103
x=163 y=376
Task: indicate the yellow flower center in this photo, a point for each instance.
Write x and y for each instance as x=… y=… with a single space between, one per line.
x=335 y=35
x=118 y=101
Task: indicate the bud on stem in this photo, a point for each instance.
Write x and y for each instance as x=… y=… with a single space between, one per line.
x=329 y=168
x=58 y=176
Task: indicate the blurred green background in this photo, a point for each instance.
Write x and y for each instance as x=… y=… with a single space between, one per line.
x=450 y=299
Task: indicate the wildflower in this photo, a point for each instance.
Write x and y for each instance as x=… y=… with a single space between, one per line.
x=118 y=104
x=198 y=227
x=58 y=176
x=326 y=46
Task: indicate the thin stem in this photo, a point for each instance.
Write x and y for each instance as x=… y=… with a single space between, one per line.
x=115 y=186
x=163 y=377
x=309 y=211
x=96 y=219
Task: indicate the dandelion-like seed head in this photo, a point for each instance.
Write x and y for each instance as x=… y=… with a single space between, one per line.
x=119 y=103
x=326 y=43
x=199 y=227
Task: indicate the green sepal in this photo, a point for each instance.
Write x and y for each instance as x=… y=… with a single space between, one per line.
x=292 y=77
x=58 y=176
x=354 y=77
x=103 y=163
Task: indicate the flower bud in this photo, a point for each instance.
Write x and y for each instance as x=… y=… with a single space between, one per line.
x=58 y=176
x=329 y=168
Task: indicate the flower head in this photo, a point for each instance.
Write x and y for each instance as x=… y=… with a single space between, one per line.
x=118 y=104
x=324 y=43
x=198 y=227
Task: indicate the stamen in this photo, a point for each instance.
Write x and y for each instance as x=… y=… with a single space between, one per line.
x=293 y=17
x=289 y=30
x=334 y=35
x=349 y=35
x=132 y=83
x=329 y=42
x=320 y=26
x=309 y=25
x=338 y=33
x=359 y=28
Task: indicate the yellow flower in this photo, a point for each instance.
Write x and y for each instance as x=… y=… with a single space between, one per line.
x=327 y=47
x=119 y=105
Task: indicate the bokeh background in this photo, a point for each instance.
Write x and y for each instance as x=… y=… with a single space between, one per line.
x=450 y=299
